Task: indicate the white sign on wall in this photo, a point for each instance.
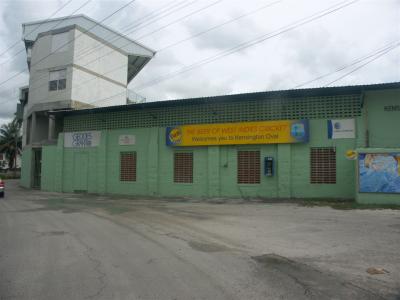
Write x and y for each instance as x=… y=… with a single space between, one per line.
x=127 y=139
x=341 y=129
x=82 y=139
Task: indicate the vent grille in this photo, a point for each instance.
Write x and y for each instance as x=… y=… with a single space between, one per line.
x=183 y=167
x=128 y=166
x=269 y=109
x=323 y=165
x=248 y=167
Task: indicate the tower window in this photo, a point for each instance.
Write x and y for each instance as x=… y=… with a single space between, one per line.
x=57 y=80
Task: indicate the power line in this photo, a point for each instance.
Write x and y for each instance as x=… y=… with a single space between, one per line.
x=180 y=19
x=250 y=43
x=290 y=27
x=381 y=51
x=178 y=6
x=55 y=50
x=217 y=26
x=97 y=58
x=138 y=28
x=354 y=62
x=142 y=20
x=263 y=7
x=52 y=15
x=98 y=48
x=62 y=20
x=364 y=64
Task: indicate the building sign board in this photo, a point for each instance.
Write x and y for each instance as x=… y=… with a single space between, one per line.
x=82 y=139
x=342 y=129
x=126 y=139
x=244 y=133
x=379 y=172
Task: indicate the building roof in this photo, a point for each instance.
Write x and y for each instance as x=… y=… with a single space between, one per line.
x=138 y=54
x=287 y=94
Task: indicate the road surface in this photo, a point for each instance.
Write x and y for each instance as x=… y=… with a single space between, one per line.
x=58 y=246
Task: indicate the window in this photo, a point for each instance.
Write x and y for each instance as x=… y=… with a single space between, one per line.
x=248 y=167
x=57 y=80
x=127 y=166
x=1 y=156
x=183 y=167
x=323 y=165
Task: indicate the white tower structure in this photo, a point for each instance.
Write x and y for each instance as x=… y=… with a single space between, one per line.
x=74 y=62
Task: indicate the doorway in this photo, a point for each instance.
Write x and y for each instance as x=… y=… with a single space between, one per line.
x=37 y=168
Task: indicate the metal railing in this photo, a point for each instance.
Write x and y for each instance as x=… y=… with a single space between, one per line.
x=133 y=97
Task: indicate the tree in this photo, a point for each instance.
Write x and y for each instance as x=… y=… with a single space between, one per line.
x=11 y=141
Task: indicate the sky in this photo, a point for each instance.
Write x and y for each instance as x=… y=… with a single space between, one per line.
x=289 y=57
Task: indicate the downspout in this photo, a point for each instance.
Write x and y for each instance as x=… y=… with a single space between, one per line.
x=364 y=108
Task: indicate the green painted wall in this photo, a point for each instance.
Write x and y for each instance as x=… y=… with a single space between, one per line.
x=49 y=157
x=26 y=167
x=113 y=184
x=300 y=155
x=96 y=170
x=381 y=127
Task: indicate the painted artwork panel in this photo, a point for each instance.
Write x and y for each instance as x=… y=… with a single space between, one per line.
x=379 y=172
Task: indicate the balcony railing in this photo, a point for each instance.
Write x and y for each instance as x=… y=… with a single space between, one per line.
x=133 y=97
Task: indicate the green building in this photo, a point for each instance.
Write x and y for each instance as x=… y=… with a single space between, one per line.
x=336 y=142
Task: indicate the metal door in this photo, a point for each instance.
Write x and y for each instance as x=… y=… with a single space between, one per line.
x=37 y=168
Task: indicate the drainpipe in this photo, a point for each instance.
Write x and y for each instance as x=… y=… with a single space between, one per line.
x=364 y=108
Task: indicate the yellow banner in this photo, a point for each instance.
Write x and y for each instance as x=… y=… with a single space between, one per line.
x=263 y=132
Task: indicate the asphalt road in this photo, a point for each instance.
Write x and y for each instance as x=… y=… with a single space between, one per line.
x=57 y=246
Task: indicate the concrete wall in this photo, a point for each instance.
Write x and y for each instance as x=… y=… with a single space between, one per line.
x=95 y=71
x=94 y=90
x=42 y=62
x=102 y=72
x=49 y=157
x=26 y=168
x=40 y=133
x=100 y=58
x=382 y=124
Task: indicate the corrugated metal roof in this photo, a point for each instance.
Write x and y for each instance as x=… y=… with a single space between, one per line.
x=98 y=29
x=287 y=94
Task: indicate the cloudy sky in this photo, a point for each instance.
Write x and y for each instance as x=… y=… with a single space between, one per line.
x=356 y=35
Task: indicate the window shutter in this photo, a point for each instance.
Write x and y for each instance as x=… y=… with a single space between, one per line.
x=183 y=167
x=248 y=167
x=128 y=166
x=323 y=165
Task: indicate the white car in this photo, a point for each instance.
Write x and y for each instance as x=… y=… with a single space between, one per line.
x=2 y=188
